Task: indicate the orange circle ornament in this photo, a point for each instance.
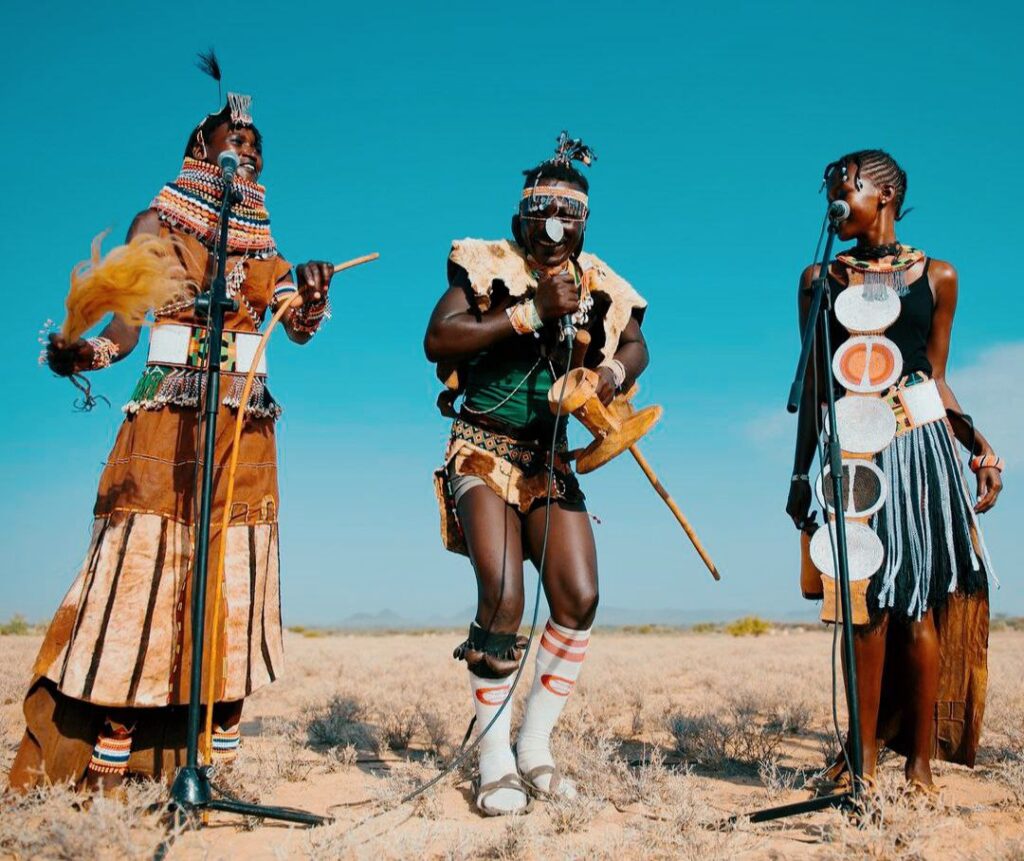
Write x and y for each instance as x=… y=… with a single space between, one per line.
x=867 y=364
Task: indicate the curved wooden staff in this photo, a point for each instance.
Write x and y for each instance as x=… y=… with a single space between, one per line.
x=624 y=408
x=218 y=574
x=671 y=503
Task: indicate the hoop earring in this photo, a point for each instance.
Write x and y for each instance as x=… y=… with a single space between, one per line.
x=202 y=143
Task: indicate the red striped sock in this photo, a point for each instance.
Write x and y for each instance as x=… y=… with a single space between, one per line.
x=559 y=659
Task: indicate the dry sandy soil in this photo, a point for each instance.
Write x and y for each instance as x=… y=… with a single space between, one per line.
x=667 y=734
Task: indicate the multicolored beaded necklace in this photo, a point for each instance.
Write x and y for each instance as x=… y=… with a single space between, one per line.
x=192 y=203
x=885 y=270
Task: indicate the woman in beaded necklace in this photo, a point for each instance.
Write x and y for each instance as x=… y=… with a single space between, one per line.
x=495 y=336
x=921 y=655
x=112 y=675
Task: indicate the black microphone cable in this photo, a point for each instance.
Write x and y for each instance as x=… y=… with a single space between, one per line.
x=465 y=750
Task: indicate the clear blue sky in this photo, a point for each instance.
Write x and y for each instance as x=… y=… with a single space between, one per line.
x=396 y=128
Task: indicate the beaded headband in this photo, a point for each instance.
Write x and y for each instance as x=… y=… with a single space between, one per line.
x=538 y=198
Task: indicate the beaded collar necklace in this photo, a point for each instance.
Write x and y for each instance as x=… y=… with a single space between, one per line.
x=192 y=203
x=885 y=271
x=875 y=252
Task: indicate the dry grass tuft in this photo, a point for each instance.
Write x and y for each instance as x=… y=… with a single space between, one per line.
x=57 y=823
x=748 y=731
x=339 y=723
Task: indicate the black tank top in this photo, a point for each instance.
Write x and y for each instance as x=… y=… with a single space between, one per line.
x=910 y=331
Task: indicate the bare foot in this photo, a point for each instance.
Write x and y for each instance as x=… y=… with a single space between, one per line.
x=919 y=771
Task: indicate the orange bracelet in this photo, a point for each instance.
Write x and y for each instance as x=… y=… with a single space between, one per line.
x=986 y=461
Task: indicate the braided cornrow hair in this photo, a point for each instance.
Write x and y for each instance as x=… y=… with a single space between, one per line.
x=880 y=167
x=560 y=165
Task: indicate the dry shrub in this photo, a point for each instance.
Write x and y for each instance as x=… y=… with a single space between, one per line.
x=339 y=723
x=437 y=728
x=58 y=823
x=1011 y=775
x=1004 y=728
x=748 y=731
x=572 y=815
x=278 y=754
x=778 y=780
x=748 y=626
x=891 y=824
x=393 y=786
x=511 y=844
x=636 y=703
x=644 y=784
x=341 y=757
x=398 y=727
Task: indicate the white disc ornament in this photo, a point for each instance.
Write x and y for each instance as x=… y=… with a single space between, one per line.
x=862 y=310
x=554 y=229
x=867 y=364
x=864 y=488
x=864 y=550
x=866 y=424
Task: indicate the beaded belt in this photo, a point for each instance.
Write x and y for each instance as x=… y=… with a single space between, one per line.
x=915 y=402
x=175 y=345
x=503 y=446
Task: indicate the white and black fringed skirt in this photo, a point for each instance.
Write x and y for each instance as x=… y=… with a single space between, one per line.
x=928 y=528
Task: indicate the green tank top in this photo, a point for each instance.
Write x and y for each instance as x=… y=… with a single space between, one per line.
x=511 y=389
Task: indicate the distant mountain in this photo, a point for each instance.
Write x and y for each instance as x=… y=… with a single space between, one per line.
x=613 y=617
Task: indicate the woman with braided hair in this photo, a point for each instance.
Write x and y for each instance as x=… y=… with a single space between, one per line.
x=916 y=548
x=495 y=335
x=111 y=681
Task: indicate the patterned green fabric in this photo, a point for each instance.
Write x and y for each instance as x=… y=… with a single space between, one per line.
x=149 y=383
x=492 y=380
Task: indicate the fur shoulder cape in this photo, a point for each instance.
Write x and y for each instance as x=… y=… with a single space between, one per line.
x=486 y=262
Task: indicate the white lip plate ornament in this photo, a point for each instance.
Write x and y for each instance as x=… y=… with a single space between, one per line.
x=865 y=550
x=866 y=424
x=859 y=313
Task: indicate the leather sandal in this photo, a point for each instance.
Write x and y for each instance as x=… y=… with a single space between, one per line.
x=530 y=779
x=512 y=781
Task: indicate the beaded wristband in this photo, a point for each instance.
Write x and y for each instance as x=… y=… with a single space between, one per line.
x=104 y=351
x=618 y=371
x=986 y=461
x=309 y=317
x=524 y=317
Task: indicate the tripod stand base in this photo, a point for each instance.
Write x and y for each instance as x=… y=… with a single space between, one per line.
x=192 y=792
x=191 y=788
x=841 y=799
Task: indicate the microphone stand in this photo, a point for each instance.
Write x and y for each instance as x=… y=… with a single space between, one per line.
x=817 y=326
x=192 y=791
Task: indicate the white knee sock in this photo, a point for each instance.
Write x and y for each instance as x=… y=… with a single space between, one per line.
x=496 y=759
x=559 y=659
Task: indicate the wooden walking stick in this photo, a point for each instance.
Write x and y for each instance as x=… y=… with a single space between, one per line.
x=218 y=572
x=616 y=428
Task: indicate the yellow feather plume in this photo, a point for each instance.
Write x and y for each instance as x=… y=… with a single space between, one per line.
x=130 y=281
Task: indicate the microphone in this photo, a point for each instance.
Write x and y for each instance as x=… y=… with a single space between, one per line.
x=838 y=211
x=228 y=162
x=567 y=327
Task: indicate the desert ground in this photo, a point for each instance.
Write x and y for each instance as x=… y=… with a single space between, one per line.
x=667 y=735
